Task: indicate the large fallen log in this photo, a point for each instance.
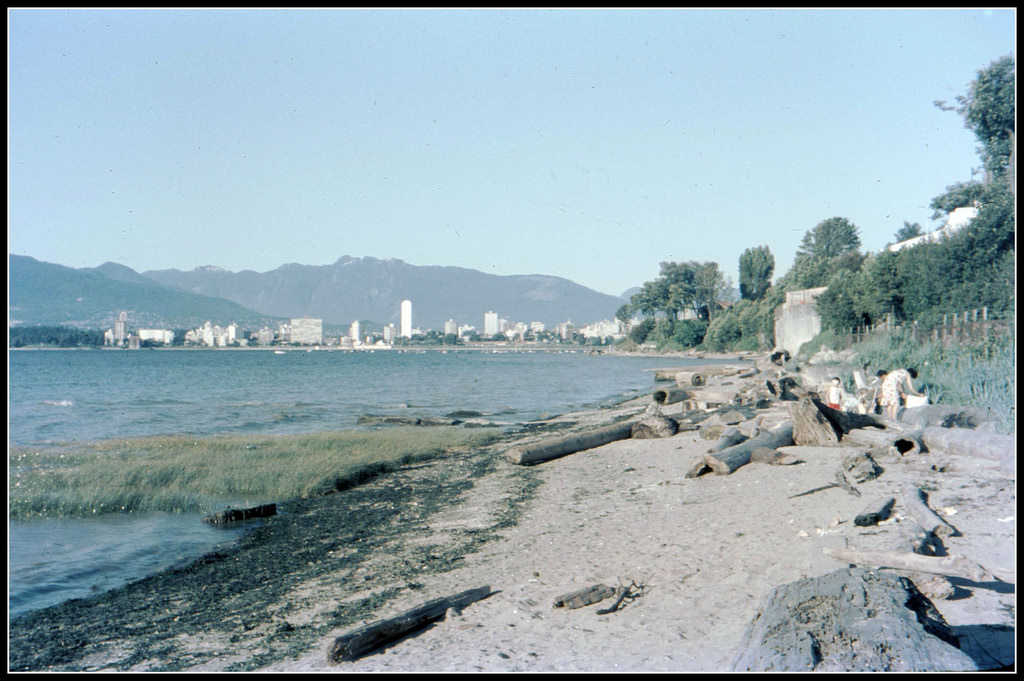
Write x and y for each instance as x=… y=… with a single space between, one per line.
x=810 y=427
x=526 y=455
x=654 y=426
x=929 y=520
x=893 y=442
x=691 y=378
x=818 y=424
x=967 y=442
x=730 y=437
x=726 y=461
x=850 y=620
x=955 y=566
x=669 y=395
x=365 y=639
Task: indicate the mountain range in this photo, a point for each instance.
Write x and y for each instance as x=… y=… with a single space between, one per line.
x=365 y=289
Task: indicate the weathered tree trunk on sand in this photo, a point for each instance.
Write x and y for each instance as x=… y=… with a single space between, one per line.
x=850 y=620
x=367 y=638
x=955 y=566
x=234 y=515
x=875 y=514
x=893 y=442
x=526 y=455
x=654 y=426
x=691 y=378
x=730 y=437
x=967 y=442
x=669 y=395
x=860 y=465
x=810 y=427
x=929 y=520
x=585 y=596
x=726 y=461
x=772 y=457
x=818 y=424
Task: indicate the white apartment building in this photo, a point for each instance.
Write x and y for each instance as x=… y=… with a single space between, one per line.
x=165 y=336
x=451 y=328
x=354 y=331
x=490 y=323
x=603 y=329
x=406 y=319
x=306 y=331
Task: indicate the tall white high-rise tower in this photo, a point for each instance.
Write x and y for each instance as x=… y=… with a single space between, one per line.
x=406 y=323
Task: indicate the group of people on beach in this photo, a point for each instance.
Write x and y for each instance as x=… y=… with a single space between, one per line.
x=886 y=394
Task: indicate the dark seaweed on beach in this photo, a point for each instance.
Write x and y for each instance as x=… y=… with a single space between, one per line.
x=359 y=540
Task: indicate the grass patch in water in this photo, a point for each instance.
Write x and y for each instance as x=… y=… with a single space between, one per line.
x=180 y=473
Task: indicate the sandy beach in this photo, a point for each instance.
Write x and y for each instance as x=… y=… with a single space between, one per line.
x=701 y=554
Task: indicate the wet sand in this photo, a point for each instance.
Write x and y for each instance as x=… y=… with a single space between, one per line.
x=704 y=551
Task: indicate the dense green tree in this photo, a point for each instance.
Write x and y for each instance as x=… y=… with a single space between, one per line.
x=689 y=333
x=908 y=231
x=956 y=196
x=829 y=239
x=723 y=333
x=989 y=111
x=756 y=268
x=710 y=286
x=638 y=334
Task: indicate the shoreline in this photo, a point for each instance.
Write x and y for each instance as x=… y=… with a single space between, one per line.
x=707 y=549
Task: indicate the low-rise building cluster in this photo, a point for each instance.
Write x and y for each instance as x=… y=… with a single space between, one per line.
x=310 y=331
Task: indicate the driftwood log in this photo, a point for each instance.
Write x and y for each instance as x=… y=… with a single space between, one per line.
x=955 y=566
x=773 y=457
x=691 y=378
x=234 y=515
x=850 y=620
x=893 y=442
x=526 y=455
x=818 y=424
x=585 y=596
x=368 y=638
x=654 y=426
x=875 y=514
x=810 y=427
x=967 y=442
x=860 y=465
x=729 y=437
x=916 y=504
x=669 y=395
x=726 y=461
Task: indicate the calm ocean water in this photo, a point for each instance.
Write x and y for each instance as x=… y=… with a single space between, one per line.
x=68 y=396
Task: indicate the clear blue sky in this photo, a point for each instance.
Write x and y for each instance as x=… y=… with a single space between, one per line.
x=586 y=144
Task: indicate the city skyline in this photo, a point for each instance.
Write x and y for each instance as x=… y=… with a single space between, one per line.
x=585 y=144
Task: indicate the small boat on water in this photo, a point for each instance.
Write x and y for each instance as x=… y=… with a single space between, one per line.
x=279 y=352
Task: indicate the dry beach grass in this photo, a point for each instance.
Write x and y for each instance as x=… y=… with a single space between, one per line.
x=705 y=551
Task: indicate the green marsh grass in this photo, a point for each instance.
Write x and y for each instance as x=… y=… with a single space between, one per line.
x=179 y=473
